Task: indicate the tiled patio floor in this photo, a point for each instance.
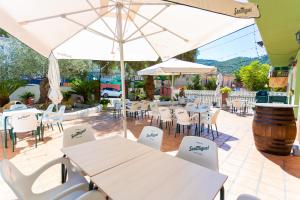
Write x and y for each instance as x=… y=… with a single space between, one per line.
x=248 y=171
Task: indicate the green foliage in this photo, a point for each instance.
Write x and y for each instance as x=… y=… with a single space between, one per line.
x=84 y=88
x=26 y=95
x=188 y=56
x=225 y=90
x=104 y=101
x=7 y=87
x=237 y=76
x=197 y=83
x=67 y=95
x=139 y=84
x=211 y=84
x=255 y=76
x=3 y=33
x=164 y=98
x=234 y=64
x=141 y=96
x=75 y=69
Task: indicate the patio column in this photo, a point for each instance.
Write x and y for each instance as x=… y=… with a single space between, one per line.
x=297 y=93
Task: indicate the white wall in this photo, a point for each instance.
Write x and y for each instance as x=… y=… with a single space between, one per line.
x=34 y=88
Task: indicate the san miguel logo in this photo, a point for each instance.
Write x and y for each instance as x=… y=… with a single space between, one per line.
x=198 y=148
x=78 y=134
x=242 y=10
x=152 y=135
x=23 y=117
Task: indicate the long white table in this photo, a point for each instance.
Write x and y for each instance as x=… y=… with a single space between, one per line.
x=125 y=169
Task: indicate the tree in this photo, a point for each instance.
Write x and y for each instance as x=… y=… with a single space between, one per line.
x=3 y=33
x=196 y=82
x=254 y=76
x=211 y=84
x=190 y=56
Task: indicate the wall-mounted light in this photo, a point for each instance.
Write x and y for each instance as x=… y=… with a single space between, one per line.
x=298 y=37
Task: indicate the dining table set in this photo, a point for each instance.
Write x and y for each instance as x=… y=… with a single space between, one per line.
x=124 y=169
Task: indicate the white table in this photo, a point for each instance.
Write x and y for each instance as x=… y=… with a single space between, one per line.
x=128 y=170
x=200 y=110
x=100 y=155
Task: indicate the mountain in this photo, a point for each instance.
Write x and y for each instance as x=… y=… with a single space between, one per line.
x=231 y=65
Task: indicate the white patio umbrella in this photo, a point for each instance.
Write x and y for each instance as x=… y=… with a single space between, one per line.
x=127 y=30
x=54 y=81
x=174 y=67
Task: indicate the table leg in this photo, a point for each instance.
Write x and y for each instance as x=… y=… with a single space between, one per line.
x=5 y=131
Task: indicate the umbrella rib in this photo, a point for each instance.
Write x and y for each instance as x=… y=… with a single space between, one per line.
x=82 y=28
x=182 y=38
x=144 y=36
x=148 y=21
x=147 y=35
x=100 y=17
x=126 y=19
x=90 y=29
x=61 y=15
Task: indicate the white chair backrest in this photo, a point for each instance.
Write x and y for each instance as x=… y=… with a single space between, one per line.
x=18 y=106
x=15 y=179
x=214 y=116
x=50 y=108
x=61 y=111
x=181 y=100
x=182 y=115
x=24 y=122
x=154 y=106
x=165 y=113
x=151 y=136
x=237 y=103
x=77 y=135
x=199 y=150
x=145 y=105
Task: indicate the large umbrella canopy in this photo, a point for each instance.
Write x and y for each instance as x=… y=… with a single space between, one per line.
x=54 y=81
x=176 y=67
x=87 y=29
x=131 y=30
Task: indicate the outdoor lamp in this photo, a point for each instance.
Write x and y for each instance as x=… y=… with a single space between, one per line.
x=298 y=37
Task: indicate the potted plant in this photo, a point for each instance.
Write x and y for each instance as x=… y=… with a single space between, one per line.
x=104 y=103
x=225 y=91
x=27 y=98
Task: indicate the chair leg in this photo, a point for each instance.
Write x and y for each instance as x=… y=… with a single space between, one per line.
x=52 y=127
x=62 y=128
x=151 y=120
x=212 y=132
x=217 y=129
x=58 y=126
x=169 y=126
x=222 y=193
x=63 y=170
x=35 y=136
x=13 y=141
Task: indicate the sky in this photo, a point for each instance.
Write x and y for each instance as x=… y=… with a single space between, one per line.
x=241 y=43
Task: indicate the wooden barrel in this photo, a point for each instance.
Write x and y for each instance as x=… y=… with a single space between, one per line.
x=274 y=129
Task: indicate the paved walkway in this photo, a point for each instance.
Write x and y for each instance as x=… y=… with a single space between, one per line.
x=249 y=171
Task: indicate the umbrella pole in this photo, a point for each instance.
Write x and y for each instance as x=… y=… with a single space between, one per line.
x=122 y=66
x=172 y=89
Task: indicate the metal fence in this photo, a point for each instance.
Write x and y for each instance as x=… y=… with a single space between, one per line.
x=209 y=96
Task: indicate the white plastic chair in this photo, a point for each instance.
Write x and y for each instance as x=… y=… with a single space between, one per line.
x=200 y=151
x=165 y=117
x=183 y=119
x=145 y=108
x=211 y=119
x=151 y=136
x=57 y=118
x=247 y=197
x=21 y=184
x=133 y=110
x=73 y=136
x=237 y=105
x=154 y=112
x=117 y=107
x=21 y=123
x=44 y=119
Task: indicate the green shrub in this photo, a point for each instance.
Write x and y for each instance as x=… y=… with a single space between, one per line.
x=104 y=101
x=164 y=98
x=26 y=95
x=84 y=88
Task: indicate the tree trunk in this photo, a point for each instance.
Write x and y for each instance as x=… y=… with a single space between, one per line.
x=149 y=88
x=44 y=89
